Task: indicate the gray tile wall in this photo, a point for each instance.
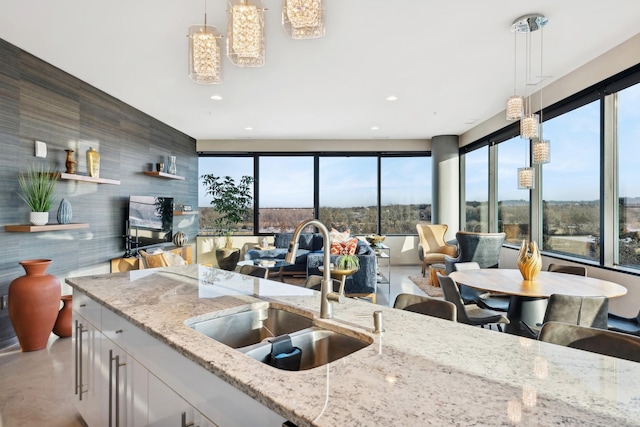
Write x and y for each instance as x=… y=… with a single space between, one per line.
x=41 y=102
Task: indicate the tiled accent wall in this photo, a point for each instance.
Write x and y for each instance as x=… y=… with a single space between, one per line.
x=41 y=102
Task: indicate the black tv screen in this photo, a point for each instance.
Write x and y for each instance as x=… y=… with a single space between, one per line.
x=150 y=220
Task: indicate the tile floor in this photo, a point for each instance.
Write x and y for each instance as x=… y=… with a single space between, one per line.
x=36 y=387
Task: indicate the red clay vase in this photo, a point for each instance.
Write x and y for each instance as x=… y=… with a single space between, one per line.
x=34 y=301
x=62 y=327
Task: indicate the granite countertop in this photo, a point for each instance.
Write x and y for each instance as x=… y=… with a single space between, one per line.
x=420 y=371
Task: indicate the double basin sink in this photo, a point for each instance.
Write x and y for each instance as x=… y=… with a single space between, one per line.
x=252 y=330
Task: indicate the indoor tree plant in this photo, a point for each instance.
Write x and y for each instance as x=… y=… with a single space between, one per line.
x=231 y=201
x=36 y=189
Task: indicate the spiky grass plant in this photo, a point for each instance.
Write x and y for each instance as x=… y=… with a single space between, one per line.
x=36 y=187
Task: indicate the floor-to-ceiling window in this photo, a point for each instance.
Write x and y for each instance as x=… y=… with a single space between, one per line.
x=513 y=204
x=405 y=192
x=349 y=193
x=629 y=176
x=236 y=168
x=476 y=187
x=571 y=183
x=363 y=192
x=286 y=192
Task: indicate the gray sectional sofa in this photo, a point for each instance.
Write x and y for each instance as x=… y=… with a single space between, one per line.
x=310 y=256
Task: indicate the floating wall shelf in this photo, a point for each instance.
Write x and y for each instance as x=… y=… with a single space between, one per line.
x=85 y=178
x=28 y=228
x=164 y=175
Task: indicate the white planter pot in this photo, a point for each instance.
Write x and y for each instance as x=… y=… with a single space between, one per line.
x=39 y=218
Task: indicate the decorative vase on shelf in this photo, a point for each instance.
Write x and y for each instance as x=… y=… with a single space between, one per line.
x=34 y=302
x=62 y=327
x=172 y=165
x=64 y=212
x=93 y=163
x=180 y=239
x=39 y=218
x=529 y=264
x=70 y=163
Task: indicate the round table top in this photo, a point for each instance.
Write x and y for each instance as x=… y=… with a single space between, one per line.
x=510 y=282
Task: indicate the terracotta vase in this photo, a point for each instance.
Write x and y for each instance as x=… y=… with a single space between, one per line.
x=34 y=301
x=529 y=264
x=62 y=327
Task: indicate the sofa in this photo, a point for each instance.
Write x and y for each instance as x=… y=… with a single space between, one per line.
x=310 y=256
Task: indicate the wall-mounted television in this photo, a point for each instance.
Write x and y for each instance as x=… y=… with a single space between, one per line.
x=150 y=220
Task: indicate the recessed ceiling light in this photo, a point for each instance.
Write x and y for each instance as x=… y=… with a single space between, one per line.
x=375 y=128
x=216 y=97
x=248 y=128
x=392 y=98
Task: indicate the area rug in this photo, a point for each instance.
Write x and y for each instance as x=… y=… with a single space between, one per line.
x=423 y=283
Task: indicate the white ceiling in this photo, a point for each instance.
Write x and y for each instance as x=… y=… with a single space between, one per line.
x=450 y=63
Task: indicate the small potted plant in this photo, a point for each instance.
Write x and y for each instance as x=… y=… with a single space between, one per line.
x=36 y=189
x=232 y=202
x=348 y=262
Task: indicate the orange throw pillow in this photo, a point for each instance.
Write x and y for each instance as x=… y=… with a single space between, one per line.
x=344 y=248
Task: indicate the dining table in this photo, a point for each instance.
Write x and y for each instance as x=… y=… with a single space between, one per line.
x=528 y=298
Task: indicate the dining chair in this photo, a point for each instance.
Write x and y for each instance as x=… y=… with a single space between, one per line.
x=627 y=325
x=315 y=282
x=483 y=248
x=255 y=271
x=433 y=247
x=602 y=341
x=583 y=311
x=578 y=270
x=470 y=314
x=426 y=305
x=475 y=296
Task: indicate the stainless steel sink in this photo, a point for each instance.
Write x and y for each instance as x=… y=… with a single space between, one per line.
x=252 y=326
x=249 y=332
x=319 y=346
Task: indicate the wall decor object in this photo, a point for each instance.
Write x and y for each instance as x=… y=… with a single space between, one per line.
x=180 y=239
x=93 y=163
x=34 y=301
x=172 y=165
x=64 y=212
x=62 y=327
x=70 y=163
x=160 y=167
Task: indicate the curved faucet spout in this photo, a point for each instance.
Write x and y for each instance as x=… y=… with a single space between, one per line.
x=326 y=290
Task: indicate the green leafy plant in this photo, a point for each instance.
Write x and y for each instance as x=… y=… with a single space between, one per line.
x=36 y=187
x=348 y=262
x=230 y=200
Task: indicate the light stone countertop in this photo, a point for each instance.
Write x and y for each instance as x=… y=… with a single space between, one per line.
x=420 y=371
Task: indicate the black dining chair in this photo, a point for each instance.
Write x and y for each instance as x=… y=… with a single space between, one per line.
x=627 y=325
x=578 y=270
x=426 y=305
x=483 y=299
x=470 y=314
x=255 y=271
x=602 y=341
x=583 y=311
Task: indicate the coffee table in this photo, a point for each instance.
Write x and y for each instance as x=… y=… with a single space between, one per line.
x=528 y=299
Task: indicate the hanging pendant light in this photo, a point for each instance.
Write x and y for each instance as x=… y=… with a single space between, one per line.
x=526 y=178
x=303 y=19
x=541 y=151
x=245 y=34
x=204 y=53
x=529 y=126
x=515 y=103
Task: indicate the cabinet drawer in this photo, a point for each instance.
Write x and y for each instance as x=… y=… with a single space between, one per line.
x=123 y=333
x=87 y=308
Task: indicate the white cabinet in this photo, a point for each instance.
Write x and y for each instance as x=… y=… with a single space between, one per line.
x=168 y=409
x=87 y=366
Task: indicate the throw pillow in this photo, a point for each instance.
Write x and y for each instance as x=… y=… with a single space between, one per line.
x=344 y=248
x=339 y=237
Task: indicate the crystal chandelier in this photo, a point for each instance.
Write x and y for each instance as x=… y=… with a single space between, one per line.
x=204 y=53
x=303 y=19
x=541 y=150
x=245 y=34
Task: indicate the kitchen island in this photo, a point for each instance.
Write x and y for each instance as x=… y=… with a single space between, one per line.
x=419 y=371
